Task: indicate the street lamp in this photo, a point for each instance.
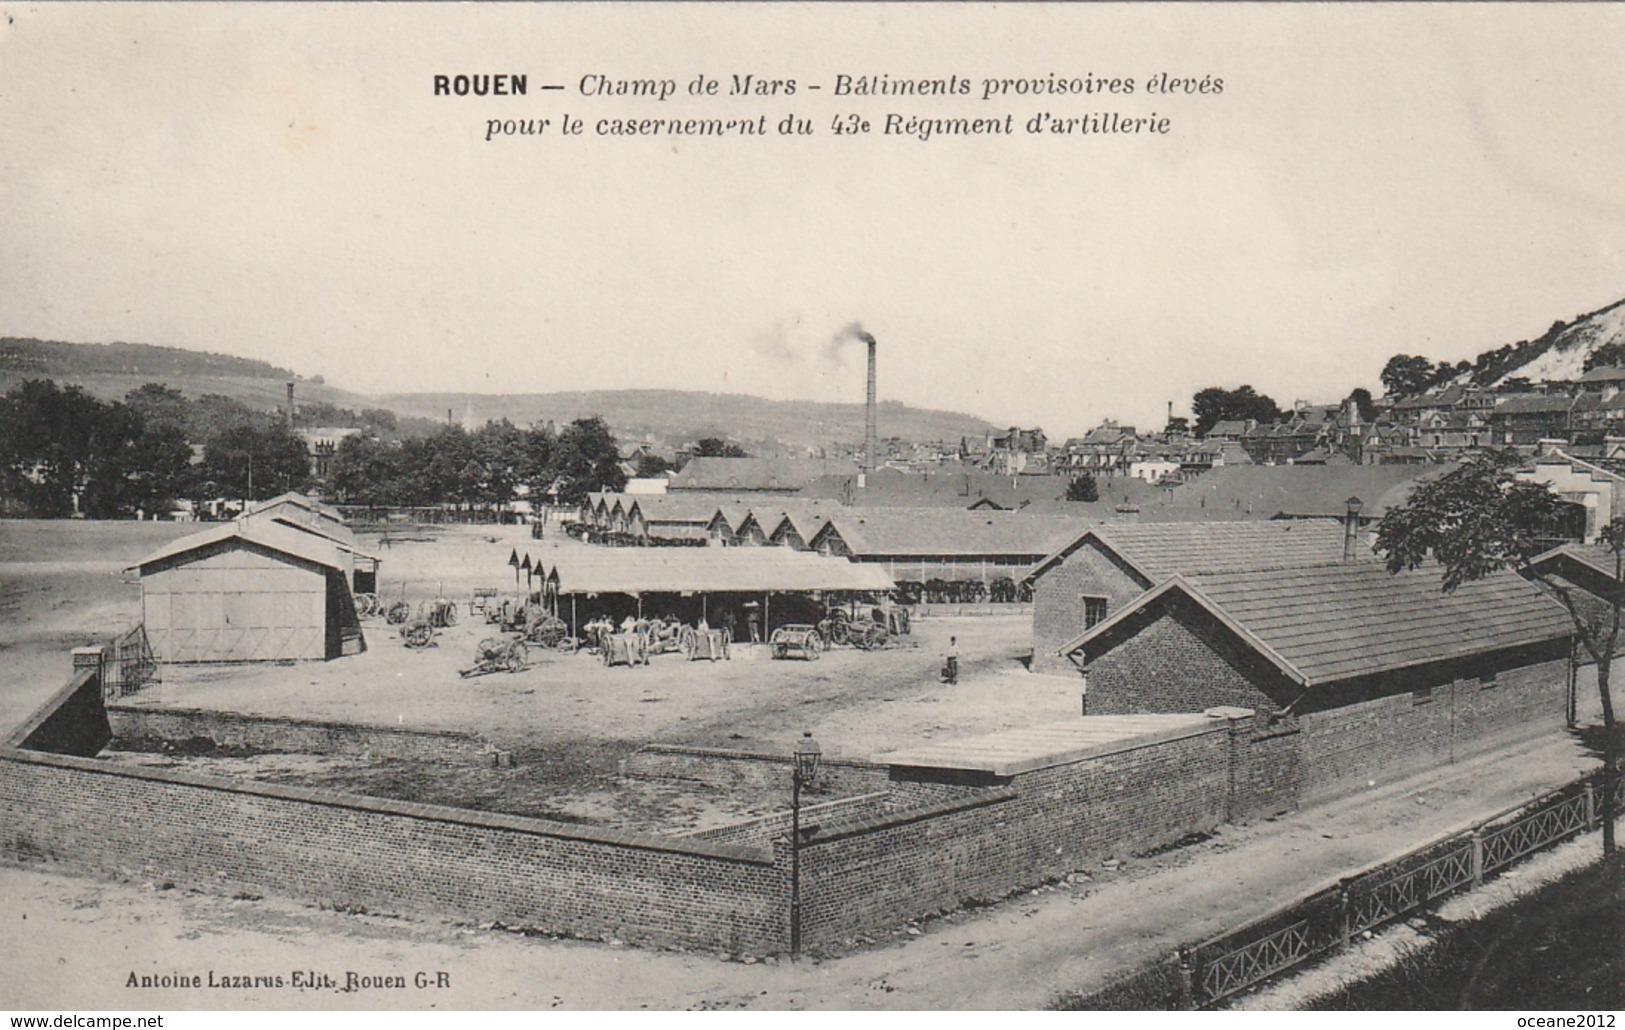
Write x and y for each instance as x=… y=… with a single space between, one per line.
x=802 y=774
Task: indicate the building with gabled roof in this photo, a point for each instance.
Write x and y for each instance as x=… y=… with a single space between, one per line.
x=1373 y=672
x=1102 y=569
x=250 y=590
x=922 y=544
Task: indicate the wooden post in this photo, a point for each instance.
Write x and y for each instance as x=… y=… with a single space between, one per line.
x=1187 y=980
x=1591 y=806
x=1345 y=915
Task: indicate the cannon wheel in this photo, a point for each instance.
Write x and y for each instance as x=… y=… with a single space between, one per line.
x=518 y=654
x=840 y=632
x=449 y=613
x=398 y=613
x=418 y=634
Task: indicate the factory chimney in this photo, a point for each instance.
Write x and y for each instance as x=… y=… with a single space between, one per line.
x=870 y=442
x=289 y=413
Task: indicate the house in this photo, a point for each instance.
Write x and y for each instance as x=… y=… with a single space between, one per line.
x=1596 y=493
x=1371 y=672
x=322 y=443
x=253 y=590
x=1103 y=569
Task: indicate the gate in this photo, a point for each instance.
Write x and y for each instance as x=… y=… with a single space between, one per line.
x=130 y=666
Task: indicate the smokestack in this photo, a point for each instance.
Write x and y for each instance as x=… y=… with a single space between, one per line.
x=870 y=444
x=289 y=414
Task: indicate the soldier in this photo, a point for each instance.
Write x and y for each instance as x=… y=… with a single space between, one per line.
x=951 y=666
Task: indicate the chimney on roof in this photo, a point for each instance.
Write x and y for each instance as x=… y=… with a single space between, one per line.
x=1351 y=529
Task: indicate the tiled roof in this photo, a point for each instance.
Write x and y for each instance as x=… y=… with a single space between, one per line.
x=925 y=532
x=699 y=510
x=1321 y=625
x=634 y=570
x=1264 y=491
x=1604 y=374
x=755 y=473
x=1158 y=550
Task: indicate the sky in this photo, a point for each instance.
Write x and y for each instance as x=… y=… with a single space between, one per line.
x=280 y=182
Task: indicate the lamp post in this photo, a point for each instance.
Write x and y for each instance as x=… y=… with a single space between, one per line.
x=805 y=769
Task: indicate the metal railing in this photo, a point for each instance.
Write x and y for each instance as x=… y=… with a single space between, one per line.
x=130 y=664
x=1330 y=919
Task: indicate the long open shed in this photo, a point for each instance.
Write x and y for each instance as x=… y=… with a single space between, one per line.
x=705 y=583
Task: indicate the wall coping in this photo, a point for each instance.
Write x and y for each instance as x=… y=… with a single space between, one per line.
x=288 y=720
x=408 y=809
x=38 y=716
x=737 y=755
x=857 y=826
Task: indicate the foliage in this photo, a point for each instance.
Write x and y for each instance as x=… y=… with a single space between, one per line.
x=1083 y=489
x=585 y=459
x=652 y=465
x=1406 y=375
x=253 y=463
x=1215 y=404
x=1609 y=355
x=1480 y=519
x=1363 y=403
x=715 y=447
x=1179 y=425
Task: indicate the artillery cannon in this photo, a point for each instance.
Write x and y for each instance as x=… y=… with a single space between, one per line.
x=497 y=654
x=625 y=649
x=418 y=633
x=710 y=644
x=366 y=605
x=802 y=641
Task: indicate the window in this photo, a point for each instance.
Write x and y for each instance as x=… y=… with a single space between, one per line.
x=1094 y=611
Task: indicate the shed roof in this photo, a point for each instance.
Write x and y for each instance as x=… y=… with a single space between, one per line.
x=266 y=533
x=1158 y=550
x=1265 y=491
x=699 y=510
x=1329 y=623
x=709 y=570
x=927 y=532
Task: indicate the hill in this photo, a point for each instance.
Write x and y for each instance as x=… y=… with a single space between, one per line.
x=110 y=371
x=678 y=415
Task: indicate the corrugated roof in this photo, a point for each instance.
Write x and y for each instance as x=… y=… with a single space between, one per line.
x=926 y=532
x=266 y=533
x=710 y=570
x=1330 y=623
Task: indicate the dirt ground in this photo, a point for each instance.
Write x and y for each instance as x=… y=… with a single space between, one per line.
x=74 y=942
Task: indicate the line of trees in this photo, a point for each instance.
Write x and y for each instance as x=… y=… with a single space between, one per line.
x=65 y=452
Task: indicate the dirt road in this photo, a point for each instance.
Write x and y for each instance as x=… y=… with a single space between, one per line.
x=74 y=942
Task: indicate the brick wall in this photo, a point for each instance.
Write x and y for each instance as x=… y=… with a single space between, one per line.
x=72 y=722
x=756 y=772
x=306 y=736
x=390 y=856
x=1057 y=610
x=1381 y=738
x=974 y=844
x=1173 y=660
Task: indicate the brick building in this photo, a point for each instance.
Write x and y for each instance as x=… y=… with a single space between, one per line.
x=1374 y=671
x=1104 y=568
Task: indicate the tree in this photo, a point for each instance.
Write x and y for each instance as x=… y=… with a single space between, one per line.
x=715 y=447
x=1362 y=403
x=251 y=463
x=1083 y=489
x=652 y=465
x=1479 y=519
x=1179 y=425
x=585 y=459
x=1215 y=404
x=1407 y=375
x=1609 y=355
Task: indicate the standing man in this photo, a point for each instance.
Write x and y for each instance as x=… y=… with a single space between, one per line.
x=753 y=626
x=952 y=665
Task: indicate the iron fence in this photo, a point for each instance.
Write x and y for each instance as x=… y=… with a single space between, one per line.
x=130 y=664
x=1329 y=919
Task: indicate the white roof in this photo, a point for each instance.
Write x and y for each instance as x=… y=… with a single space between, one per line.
x=266 y=533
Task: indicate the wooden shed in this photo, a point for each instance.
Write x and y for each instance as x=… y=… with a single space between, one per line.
x=249 y=591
